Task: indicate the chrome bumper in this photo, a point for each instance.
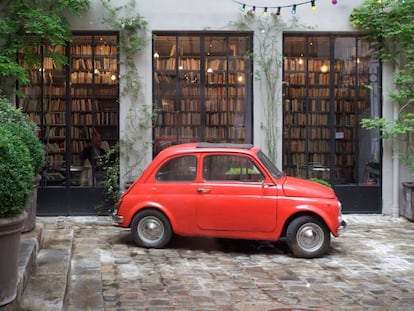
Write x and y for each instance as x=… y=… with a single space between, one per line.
x=117 y=219
x=342 y=227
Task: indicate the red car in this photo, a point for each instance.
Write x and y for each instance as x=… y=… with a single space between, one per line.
x=228 y=191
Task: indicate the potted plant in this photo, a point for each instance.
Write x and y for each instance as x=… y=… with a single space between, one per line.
x=16 y=175
x=26 y=131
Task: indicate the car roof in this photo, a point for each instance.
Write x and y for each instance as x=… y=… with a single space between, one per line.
x=209 y=147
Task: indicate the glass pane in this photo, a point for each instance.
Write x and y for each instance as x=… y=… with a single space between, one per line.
x=45 y=105
x=318 y=142
x=94 y=108
x=188 y=108
x=294 y=105
x=346 y=109
x=165 y=92
x=178 y=169
x=368 y=104
x=54 y=94
x=217 y=110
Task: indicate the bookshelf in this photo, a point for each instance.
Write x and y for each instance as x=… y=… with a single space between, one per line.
x=201 y=89
x=322 y=101
x=75 y=106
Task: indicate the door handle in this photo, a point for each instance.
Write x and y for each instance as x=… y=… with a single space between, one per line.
x=203 y=190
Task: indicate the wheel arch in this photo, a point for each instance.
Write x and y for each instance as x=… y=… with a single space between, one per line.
x=158 y=208
x=299 y=214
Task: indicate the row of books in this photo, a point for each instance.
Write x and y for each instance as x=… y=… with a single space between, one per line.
x=312 y=64
x=86 y=64
x=88 y=49
x=101 y=118
x=87 y=77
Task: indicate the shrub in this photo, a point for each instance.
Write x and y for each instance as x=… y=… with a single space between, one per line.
x=321 y=181
x=26 y=130
x=16 y=171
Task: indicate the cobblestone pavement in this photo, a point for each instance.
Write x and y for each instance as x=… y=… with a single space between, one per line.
x=370 y=267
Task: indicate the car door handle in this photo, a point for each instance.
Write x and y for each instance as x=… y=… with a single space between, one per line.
x=203 y=190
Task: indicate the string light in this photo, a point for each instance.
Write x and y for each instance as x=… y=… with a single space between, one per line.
x=334 y=2
x=278 y=8
x=278 y=11
x=313 y=7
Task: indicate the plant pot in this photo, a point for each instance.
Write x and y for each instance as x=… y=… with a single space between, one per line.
x=10 y=231
x=407 y=209
x=31 y=207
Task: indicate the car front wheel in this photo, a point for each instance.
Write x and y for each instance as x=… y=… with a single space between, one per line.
x=150 y=228
x=308 y=237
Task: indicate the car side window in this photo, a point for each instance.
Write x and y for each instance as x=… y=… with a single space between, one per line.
x=178 y=169
x=230 y=168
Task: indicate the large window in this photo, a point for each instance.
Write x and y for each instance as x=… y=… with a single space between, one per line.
x=76 y=108
x=330 y=84
x=201 y=88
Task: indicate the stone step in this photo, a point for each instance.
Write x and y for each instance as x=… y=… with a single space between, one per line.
x=47 y=284
x=85 y=282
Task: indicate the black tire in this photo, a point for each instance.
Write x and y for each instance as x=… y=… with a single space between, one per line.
x=308 y=237
x=150 y=228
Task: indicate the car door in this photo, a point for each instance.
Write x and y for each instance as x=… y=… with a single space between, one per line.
x=234 y=195
x=174 y=190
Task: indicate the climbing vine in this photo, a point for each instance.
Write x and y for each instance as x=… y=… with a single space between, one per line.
x=268 y=60
x=132 y=146
x=389 y=26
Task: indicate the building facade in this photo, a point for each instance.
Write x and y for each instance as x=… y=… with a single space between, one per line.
x=203 y=78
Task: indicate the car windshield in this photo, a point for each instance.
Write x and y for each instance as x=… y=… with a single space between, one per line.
x=274 y=171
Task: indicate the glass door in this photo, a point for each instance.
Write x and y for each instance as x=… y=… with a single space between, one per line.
x=330 y=84
x=76 y=108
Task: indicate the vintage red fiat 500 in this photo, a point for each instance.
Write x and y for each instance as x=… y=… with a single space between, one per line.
x=228 y=191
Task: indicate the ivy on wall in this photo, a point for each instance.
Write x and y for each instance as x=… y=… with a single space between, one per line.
x=268 y=61
x=389 y=25
x=133 y=146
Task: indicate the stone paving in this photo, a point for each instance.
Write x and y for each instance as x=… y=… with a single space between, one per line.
x=370 y=267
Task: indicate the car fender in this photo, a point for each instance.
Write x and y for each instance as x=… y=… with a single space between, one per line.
x=332 y=223
x=148 y=205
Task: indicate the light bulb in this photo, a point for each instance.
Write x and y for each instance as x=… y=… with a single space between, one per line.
x=243 y=8
x=265 y=12
x=334 y=2
x=293 y=11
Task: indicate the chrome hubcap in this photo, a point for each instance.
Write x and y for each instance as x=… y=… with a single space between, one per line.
x=150 y=229
x=310 y=237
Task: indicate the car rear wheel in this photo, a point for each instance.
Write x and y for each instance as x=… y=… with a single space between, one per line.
x=308 y=237
x=150 y=228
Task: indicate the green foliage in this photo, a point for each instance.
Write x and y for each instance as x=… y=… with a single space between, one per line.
x=25 y=130
x=268 y=58
x=16 y=171
x=111 y=181
x=321 y=181
x=27 y=24
x=389 y=25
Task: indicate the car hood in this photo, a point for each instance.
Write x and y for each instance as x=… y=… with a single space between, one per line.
x=297 y=187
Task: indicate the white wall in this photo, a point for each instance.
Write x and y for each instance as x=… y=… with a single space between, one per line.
x=218 y=15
